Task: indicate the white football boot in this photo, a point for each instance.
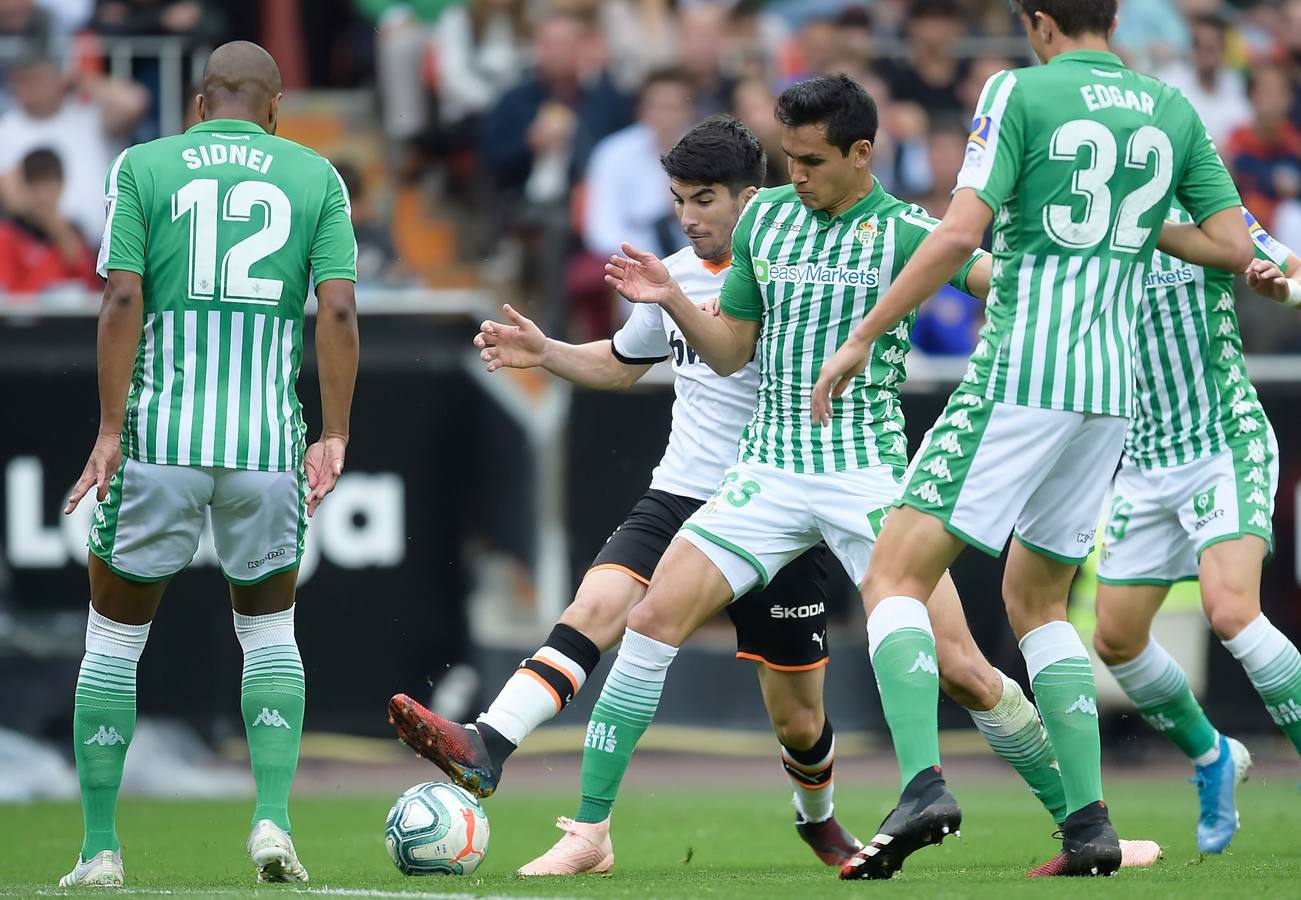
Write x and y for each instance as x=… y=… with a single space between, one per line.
x=272 y=852
x=104 y=869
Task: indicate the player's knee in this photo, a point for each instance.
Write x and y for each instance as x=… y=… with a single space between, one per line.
x=1230 y=611
x=1114 y=646
x=797 y=727
x=649 y=619
x=597 y=617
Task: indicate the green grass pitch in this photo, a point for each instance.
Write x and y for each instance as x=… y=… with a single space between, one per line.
x=724 y=843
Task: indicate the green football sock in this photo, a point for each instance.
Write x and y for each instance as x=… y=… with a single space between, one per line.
x=902 y=649
x=1159 y=688
x=622 y=714
x=1274 y=667
x=1014 y=731
x=1062 y=678
x=272 y=698
x=103 y=723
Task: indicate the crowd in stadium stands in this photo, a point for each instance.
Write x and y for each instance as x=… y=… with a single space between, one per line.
x=535 y=125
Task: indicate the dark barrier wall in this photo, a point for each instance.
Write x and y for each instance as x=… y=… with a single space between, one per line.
x=436 y=469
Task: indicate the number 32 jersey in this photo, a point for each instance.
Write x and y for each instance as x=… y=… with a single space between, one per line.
x=1078 y=159
x=709 y=411
x=226 y=225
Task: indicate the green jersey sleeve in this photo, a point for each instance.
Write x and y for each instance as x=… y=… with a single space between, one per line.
x=741 y=297
x=125 y=231
x=915 y=224
x=1206 y=186
x=334 y=247
x=1267 y=247
x=996 y=146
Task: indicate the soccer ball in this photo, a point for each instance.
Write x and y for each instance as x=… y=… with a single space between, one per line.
x=436 y=828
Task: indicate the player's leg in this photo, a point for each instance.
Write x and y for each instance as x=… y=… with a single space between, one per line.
x=783 y=629
x=1002 y=713
x=545 y=683
x=1231 y=595
x=852 y=509
x=688 y=583
x=258 y=524
x=146 y=530
x=1054 y=533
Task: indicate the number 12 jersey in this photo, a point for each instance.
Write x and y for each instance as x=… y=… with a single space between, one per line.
x=226 y=225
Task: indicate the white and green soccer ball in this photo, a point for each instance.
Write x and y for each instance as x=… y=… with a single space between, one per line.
x=436 y=828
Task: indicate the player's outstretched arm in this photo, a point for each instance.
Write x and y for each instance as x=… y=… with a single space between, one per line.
x=518 y=343
x=725 y=344
x=336 y=358
x=1220 y=242
x=936 y=261
x=121 y=318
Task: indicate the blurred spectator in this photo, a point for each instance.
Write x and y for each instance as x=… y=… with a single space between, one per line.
x=377 y=260
x=640 y=38
x=83 y=123
x=480 y=54
x=40 y=249
x=753 y=102
x=1150 y=33
x=946 y=150
x=978 y=73
x=1219 y=94
x=193 y=19
x=932 y=72
x=946 y=323
x=69 y=16
x=28 y=29
x=544 y=128
x=702 y=35
x=1265 y=155
x=638 y=210
x=403 y=32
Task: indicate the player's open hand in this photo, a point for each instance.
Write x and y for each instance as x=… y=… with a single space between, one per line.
x=837 y=372
x=105 y=457
x=324 y=465
x=639 y=276
x=516 y=343
x=1268 y=280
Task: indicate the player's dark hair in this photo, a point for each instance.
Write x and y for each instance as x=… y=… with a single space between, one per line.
x=1073 y=17
x=720 y=150
x=42 y=164
x=837 y=102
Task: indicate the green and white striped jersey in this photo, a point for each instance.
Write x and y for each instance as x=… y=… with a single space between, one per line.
x=1079 y=160
x=1194 y=395
x=809 y=278
x=226 y=225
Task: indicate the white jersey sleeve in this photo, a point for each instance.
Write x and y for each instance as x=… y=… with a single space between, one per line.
x=642 y=341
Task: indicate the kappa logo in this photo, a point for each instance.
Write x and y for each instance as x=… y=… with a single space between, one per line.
x=924 y=663
x=928 y=492
x=939 y=467
x=1160 y=721
x=1083 y=704
x=271 y=718
x=105 y=737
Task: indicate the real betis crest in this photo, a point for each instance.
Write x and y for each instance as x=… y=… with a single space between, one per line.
x=1204 y=502
x=866 y=232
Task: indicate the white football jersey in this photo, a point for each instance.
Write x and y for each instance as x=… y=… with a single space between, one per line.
x=709 y=412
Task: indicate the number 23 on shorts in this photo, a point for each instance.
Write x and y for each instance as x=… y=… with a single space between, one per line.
x=735 y=491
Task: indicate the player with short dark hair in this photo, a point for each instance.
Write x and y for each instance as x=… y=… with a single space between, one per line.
x=213 y=237
x=713 y=172
x=1074 y=162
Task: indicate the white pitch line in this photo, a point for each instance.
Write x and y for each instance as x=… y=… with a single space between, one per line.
x=309 y=891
